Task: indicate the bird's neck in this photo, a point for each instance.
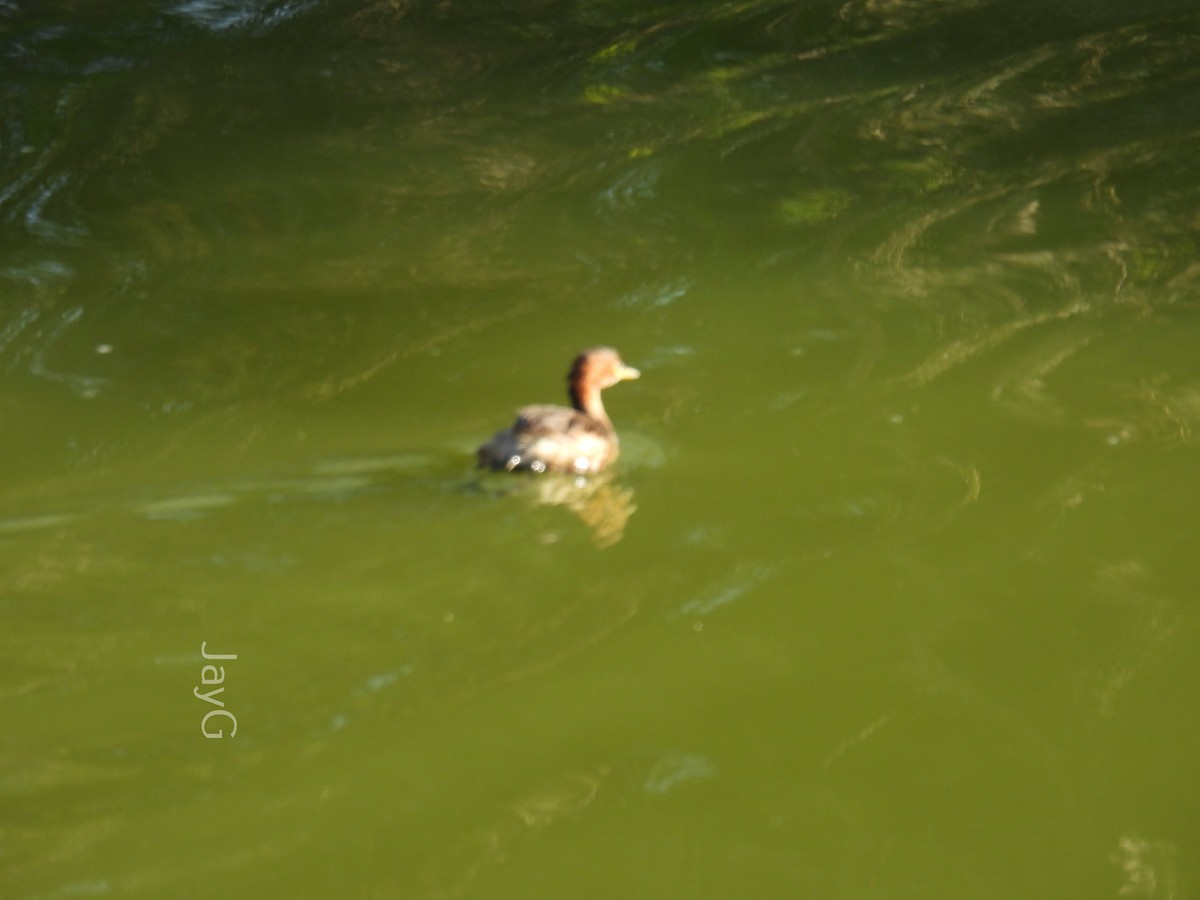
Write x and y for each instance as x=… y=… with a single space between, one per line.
x=586 y=399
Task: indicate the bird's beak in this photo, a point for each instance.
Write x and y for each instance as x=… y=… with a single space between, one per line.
x=628 y=373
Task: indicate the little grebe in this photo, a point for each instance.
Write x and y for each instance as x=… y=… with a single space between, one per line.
x=580 y=439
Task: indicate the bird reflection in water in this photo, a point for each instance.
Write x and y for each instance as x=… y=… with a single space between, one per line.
x=570 y=448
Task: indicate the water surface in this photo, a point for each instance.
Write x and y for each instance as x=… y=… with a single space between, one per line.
x=891 y=594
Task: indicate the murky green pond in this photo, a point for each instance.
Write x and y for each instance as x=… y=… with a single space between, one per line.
x=893 y=592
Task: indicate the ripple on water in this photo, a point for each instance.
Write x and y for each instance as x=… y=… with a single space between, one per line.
x=733 y=590
x=677 y=769
x=656 y=295
x=192 y=506
x=34 y=523
x=226 y=15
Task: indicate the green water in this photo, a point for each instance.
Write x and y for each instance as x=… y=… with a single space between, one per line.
x=891 y=594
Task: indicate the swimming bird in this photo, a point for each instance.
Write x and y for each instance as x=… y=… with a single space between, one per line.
x=578 y=439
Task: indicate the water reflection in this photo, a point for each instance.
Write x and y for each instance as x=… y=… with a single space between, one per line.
x=600 y=501
x=232 y=15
